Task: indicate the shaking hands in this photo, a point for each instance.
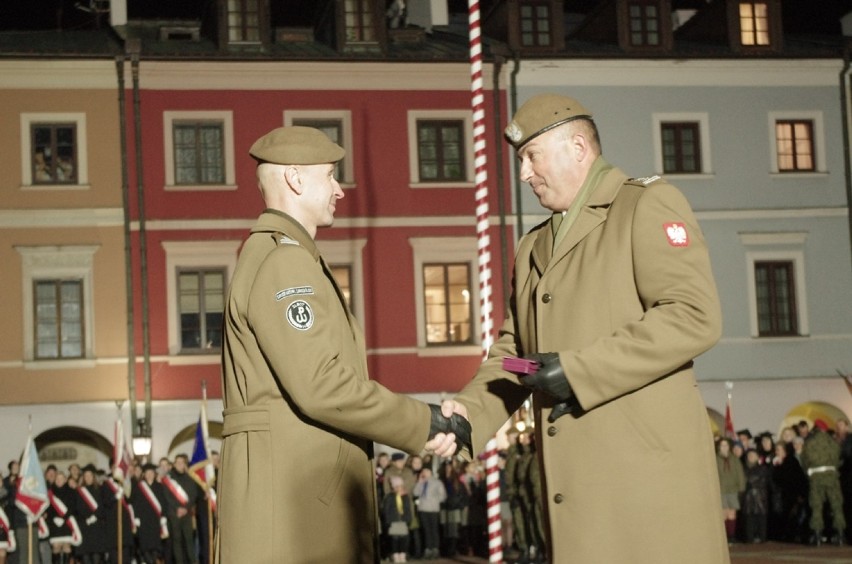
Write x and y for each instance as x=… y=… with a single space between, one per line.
x=450 y=431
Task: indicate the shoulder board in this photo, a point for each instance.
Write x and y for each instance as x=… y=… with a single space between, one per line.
x=645 y=181
x=281 y=239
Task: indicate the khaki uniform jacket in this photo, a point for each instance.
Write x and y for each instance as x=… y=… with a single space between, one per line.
x=301 y=414
x=627 y=303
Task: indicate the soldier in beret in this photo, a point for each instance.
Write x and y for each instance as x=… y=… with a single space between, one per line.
x=301 y=414
x=613 y=298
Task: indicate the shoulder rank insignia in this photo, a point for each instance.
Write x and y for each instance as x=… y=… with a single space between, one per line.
x=282 y=239
x=648 y=179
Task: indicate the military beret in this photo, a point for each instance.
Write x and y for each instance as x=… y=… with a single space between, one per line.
x=296 y=145
x=542 y=113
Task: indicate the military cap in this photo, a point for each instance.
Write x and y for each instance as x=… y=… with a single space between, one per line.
x=542 y=113
x=397 y=456
x=296 y=145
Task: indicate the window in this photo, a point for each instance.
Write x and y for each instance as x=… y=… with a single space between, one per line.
x=535 y=24
x=644 y=24
x=776 y=298
x=682 y=144
x=199 y=150
x=447 y=291
x=447 y=295
x=337 y=124
x=440 y=150
x=243 y=21
x=754 y=23
x=776 y=283
x=198 y=273
x=54 y=157
x=58 y=314
x=53 y=151
x=343 y=276
x=358 y=21
x=201 y=303
x=681 y=147
x=795 y=145
x=798 y=139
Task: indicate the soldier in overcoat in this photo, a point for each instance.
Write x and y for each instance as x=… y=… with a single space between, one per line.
x=301 y=414
x=613 y=298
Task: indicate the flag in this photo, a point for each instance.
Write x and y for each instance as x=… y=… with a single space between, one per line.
x=729 y=421
x=121 y=458
x=31 y=497
x=201 y=464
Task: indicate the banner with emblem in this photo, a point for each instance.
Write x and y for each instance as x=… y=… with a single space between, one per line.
x=31 y=497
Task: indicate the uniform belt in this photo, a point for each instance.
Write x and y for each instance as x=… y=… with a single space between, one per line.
x=821 y=469
x=245 y=419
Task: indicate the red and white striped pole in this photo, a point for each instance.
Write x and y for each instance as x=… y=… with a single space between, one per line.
x=492 y=473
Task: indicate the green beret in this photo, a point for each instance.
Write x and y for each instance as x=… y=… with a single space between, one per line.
x=296 y=145
x=542 y=113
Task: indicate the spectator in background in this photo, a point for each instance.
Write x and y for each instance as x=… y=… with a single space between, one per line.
x=149 y=504
x=821 y=459
x=430 y=494
x=756 y=502
x=454 y=506
x=90 y=516
x=791 y=483
x=397 y=467
x=765 y=447
x=745 y=438
x=181 y=495
x=803 y=429
x=398 y=512
x=731 y=484
x=844 y=439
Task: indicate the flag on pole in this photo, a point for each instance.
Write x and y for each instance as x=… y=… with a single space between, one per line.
x=729 y=418
x=31 y=497
x=121 y=458
x=201 y=464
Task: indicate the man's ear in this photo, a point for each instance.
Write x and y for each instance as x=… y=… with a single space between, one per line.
x=579 y=145
x=294 y=179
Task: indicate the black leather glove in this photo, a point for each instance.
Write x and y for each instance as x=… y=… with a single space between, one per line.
x=456 y=424
x=549 y=378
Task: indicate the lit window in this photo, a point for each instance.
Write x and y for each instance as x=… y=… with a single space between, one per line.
x=59 y=326
x=644 y=23
x=343 y=276
x=243 y=21
x=795 y=145
x=199 y=153
x=754 y=23
x=54 y=153
x=535 y=24
x=358 y=21
x=447 y=297
x=776 y=298
x=441 y=148
x=681 y=147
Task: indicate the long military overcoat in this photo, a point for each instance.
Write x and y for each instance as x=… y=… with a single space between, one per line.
x=627 y=300
x=301 y=414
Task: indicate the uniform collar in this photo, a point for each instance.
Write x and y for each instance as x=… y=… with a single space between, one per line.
x=276 y=221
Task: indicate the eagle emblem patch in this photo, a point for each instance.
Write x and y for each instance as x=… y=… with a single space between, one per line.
x=676 y=234
x=300 y=315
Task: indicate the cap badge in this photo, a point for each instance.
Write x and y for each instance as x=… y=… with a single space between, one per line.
x=513 y=132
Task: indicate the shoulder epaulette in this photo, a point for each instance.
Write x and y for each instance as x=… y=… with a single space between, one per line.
x=645 y=181
x=281 y=239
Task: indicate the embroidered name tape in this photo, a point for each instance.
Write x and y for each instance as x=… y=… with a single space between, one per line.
x=297 y=291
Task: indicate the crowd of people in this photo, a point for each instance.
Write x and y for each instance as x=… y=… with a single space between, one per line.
x=793 y=488
x=165 y=516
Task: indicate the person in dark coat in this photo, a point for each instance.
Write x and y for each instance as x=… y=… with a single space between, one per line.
x=63 y=525
x=149 y=505
x=91 y=517
x=791 y=484
x=113 y=493
x=181 y=495
x=398 y=512
x=756 y=502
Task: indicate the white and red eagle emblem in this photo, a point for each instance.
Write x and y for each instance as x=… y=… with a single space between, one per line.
x=676 y=234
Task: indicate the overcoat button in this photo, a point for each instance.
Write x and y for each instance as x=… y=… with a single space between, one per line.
x=551 y=431
x=546 y=298
x=558 y=498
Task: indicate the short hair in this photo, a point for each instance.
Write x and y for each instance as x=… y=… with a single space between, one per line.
x=586 y=126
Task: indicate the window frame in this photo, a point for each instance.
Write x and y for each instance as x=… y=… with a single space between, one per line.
x=200 y=272
x=679 y=127
x=754 y=19
x=795 y=141
x=244 y=28
x=348 y=252
x=193 y=255
x=776 y=247
x=703 y=121
x=644 y=4
x=51 y=263
x=535 y=32
x=30 y=119
x=415 y=116
x=345 y=117
x=431 y=250
x=818 y=142
x=170 y=118
x=790 y=268
x=448 y=305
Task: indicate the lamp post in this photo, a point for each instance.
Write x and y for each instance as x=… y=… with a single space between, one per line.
x=142 y=440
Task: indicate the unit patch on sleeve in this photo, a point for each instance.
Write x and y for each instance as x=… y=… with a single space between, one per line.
x=300 y=315
x=676 y=234
x=298 y=291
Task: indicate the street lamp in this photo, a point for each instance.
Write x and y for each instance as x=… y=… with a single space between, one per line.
x=142 y=440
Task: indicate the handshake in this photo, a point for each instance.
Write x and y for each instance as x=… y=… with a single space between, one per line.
x=455 y=424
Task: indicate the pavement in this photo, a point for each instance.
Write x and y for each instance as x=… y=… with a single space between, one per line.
x=763 y=553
